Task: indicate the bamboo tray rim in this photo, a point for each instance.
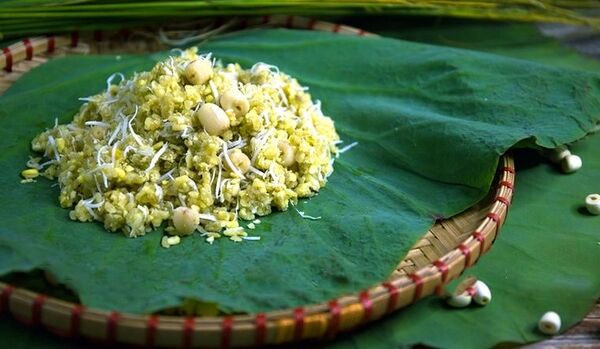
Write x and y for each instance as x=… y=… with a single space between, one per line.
x=323 y=320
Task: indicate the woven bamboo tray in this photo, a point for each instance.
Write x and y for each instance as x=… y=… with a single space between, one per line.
x=441 y=255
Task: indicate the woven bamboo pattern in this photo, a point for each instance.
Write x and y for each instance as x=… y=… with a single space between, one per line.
x=441 y=255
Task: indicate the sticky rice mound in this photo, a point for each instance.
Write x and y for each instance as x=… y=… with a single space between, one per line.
x=222 y=142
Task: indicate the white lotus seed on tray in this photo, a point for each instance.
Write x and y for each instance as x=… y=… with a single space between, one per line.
x=592 y=203
x=483 y=295
x=556 y=155
x=549 y=323
x=571 y=163
x=459 y=301
x=463 y=293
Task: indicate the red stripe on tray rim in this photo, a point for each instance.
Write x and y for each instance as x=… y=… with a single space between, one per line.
x=498 y=220
x=443 y=269
x=466 y=252
x=503 y=200
x=188 y=332
x=508 y=169
x=36 y=309
x=478 y=236
x=124 y=34
x=51 y=43
x=8 y=58
x=261 y=328
x=393 y=296
x=226 y=330
x=28 y=49
x=367 y=305
x=98 y=35
x=418 y=281
x=151 y=325
x=74 y=38
x=312 y=24
x=507 y=184
x=335 y=312
x=7 y=291
x=481 y=239
x=111 y=326
x=336 y=28
x=299 y=314
x=493 y=216
x=76 y=313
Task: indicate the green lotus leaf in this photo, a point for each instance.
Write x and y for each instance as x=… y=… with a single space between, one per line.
x=430 y=122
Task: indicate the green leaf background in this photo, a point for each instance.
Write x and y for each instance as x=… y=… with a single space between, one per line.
x=408 y=326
